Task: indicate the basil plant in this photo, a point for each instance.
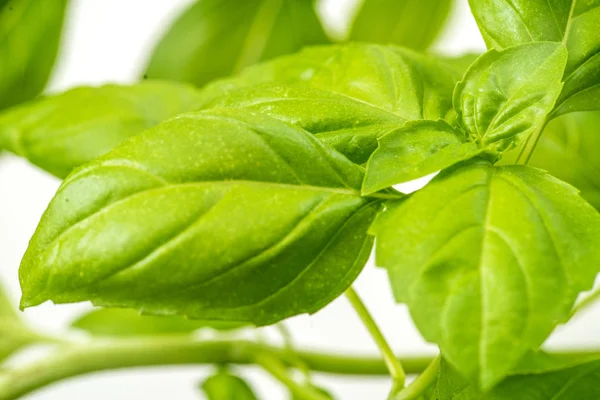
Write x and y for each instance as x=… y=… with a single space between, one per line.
x=191 y=204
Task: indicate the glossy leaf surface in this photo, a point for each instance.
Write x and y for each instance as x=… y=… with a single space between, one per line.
x=125 y=322
x=576 y=23
x=29 y=37
x=417 y=149
x=489 y=260
x=59 y=133
x=506 y=95
x=410 y=23
x=175 y=218
x=226 y=386
x=216 y=38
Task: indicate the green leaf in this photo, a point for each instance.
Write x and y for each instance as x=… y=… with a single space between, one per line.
x=410 y=23
x=226 y=386
x=29 y=37
x=506 y=23
x=569 y=148
x=396 y=80
x=13 y=333
x=59 y=133
x=506 y=95
x=342 y=123
x=573 y=382
x=415 y=150
x=216 y=38
x=175 y=218
x=318 y=390
x=489 y=260
x=124 y=322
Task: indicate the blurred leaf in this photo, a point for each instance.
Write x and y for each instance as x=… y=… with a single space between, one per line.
x=125 y=322
x=61 y=132
x=29 y=37
x=318 y=390
x=216 y=38
x=569 y=148
x=410 y=23
x=225 y=386
x=13 y=334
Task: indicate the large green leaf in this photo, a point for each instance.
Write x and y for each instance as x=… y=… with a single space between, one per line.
x=29 y=37
x=347 y=125
x=577 y=382
x=216 y=38
x=410 y=23
x=569 y=148
x=225 y=215
x=225 y=386
x=13 y=334
x=576 y=23
x=396 y=80
x=489 y=260
x=125 y=322
x=507 y=95
x=60 y=132
x=415 y=150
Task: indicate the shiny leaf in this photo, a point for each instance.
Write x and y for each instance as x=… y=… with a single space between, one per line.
x=175 y=218
x=61 y=132
x=507 y=95
x=489 y=260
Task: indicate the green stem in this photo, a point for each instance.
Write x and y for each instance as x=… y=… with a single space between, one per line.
x=530 y=145
x=422 y=382
x=99 y=355
x=280 y=372
x=393 y=364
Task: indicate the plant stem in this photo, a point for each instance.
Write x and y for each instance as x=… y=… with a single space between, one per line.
x=279 y=371
x=393 y=364
x=422 y=382
x=99 y=355
x=530 y=145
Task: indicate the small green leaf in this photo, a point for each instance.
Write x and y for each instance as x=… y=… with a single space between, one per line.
x=578 y=381
x=396 y=80
x=256 y=223
x=29 y=37
x=216 y=38
x=506 y=95
x=506 y=23
x=410 y=23
x=226 y=386
x=318 y=390
x=342 y=123
x=489 y=260
x=569 y=148
x=59 y=133
x=124 y=322
x=415 y=150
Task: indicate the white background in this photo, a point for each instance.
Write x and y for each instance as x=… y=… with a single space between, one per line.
x=109 y=41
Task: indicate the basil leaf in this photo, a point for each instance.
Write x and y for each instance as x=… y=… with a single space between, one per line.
x=506 y=95
x=59 y=133
x=124 y=322
x=415 y=150
x=396 y=80
x=225 y=386
x=342 y=123
x=29 y=36
x=215 y=38
x=260 y=211
x=568 y=149
x=320 y=390
x=410 y=23
x=506 y=23
x=554 y=384
x=489 y=260
x=13 y=333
